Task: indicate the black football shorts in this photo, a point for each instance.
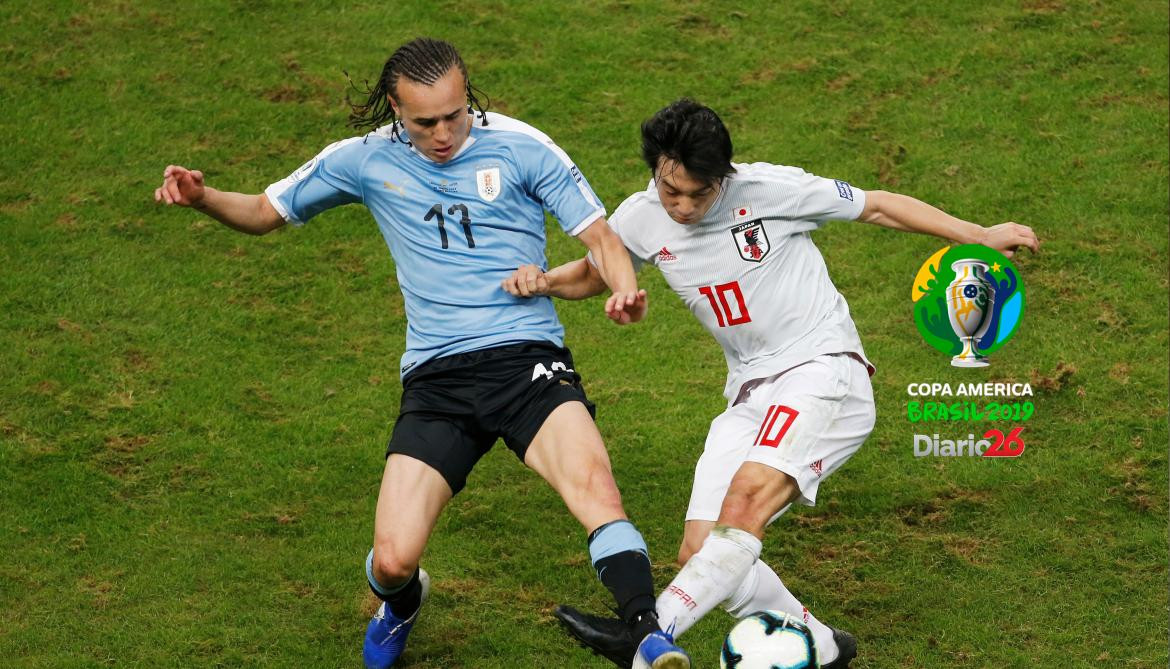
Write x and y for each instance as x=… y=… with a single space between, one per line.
x=455 y=407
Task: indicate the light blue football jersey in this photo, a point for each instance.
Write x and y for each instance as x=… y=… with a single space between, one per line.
x=455 y=229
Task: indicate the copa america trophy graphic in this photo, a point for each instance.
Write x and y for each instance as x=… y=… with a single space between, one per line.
x=970 y=304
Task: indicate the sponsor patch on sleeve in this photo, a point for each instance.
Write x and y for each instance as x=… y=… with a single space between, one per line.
x=844 y=190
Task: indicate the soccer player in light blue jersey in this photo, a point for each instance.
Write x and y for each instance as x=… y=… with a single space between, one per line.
x=459 y=195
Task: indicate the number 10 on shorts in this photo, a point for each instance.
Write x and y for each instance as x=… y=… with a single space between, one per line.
x=769 y=434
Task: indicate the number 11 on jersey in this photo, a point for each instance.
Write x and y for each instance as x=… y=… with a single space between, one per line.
x=724 y=313
x=436 y=212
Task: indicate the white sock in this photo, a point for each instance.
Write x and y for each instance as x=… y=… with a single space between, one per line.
x=708 y=578
x=762 y=590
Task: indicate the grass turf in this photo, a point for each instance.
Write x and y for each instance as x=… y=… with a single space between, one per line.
x=192 y=421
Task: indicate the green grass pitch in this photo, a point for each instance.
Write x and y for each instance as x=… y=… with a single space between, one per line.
x=192 y=421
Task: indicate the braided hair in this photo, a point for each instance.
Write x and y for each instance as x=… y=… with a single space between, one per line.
x=422 y=60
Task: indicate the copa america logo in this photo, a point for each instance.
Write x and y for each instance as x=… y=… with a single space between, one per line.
x=968 y=301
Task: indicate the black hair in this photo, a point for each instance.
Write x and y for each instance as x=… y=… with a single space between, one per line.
x=422 y=60
x=691 y=134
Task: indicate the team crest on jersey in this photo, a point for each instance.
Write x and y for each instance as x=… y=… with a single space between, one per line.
x=487 y=182
x=751 y=241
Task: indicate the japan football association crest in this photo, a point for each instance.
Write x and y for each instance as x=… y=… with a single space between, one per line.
x=751 y=241
x=487 y=182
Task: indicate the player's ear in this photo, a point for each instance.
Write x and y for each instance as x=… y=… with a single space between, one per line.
x=393 y=104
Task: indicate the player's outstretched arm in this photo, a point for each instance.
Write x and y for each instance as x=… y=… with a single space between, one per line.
x=576 y=280
x=627 y=304
x=252 y=214
x=902 y=212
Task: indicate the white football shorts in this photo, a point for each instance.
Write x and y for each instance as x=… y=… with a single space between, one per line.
x=806 y=422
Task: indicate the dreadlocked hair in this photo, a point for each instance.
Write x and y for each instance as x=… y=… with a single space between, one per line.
x=422 y=60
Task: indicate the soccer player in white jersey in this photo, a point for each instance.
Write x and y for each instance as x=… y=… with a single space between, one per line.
x=733 y=242
x=459 y=195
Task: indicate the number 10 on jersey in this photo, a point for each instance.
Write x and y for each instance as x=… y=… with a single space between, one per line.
x=725 y=312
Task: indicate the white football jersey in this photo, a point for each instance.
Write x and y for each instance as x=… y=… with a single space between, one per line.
x=749 y=270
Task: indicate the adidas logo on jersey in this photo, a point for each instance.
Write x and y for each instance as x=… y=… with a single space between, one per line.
x=666 y=256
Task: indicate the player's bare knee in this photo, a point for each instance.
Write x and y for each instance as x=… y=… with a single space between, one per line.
x=600 y=489
x=755 y=495
x=391 y=568
x=740 y=509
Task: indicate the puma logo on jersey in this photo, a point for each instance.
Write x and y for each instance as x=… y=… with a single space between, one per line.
x=547 y=372
x=394 y=187
x=666 y=256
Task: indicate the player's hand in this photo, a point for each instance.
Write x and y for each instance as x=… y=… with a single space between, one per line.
x=526 y=281
x=626 y=308
x=180 y=186
x=1008 y=237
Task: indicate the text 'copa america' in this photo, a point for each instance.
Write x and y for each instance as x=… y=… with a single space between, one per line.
x=969 y=389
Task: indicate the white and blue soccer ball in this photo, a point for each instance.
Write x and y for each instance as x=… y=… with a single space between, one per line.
x=769 y=640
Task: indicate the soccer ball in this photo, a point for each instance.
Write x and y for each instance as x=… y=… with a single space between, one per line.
x=769 y=640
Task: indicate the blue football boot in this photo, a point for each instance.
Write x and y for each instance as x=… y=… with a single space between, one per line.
x=386 y=634
x=658 y=651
